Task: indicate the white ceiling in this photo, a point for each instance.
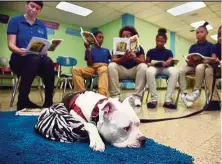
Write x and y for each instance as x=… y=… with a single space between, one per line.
x=153 y=12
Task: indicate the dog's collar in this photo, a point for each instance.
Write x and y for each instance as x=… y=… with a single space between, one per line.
x=95 y=112
x=73 y=106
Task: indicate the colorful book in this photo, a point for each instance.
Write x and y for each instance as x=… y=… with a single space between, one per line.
x=121 y=45
x=41 y=46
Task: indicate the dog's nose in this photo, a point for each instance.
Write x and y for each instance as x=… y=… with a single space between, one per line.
x=142 y=140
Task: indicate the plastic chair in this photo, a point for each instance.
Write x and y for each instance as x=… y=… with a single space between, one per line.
x=65 y=78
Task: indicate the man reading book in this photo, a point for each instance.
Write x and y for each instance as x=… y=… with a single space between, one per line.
x=20 y=31
x=97 y=60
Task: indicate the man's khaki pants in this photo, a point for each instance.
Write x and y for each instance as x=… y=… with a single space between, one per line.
x=151 y=73
x=117 y=72
x=199 y=76
x=80 y=72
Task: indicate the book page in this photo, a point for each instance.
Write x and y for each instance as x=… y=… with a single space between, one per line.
x=54 y=44
x=175 y=61
x=134 y=43
x=157 y=62
x=120 y=45
x=88 y=37
x=38 y=45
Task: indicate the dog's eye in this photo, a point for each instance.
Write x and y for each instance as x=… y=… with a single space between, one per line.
x=127 y=128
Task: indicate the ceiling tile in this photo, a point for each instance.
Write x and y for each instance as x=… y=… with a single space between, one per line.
x=149 y=12
x=215 y=6
x=168 y=5
x=137 y=7
x=118 y=5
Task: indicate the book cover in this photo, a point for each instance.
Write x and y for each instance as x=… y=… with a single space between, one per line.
x=88 y=37
x=197 y=58
x=30 y=112
x=120 y=45
x=41 y=46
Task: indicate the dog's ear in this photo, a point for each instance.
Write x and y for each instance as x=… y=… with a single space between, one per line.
x=107 y=108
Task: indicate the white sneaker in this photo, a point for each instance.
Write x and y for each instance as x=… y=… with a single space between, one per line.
x=193 y=96
x=185 y=101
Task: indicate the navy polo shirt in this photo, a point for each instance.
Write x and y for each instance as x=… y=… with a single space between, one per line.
x=131 y=63
x=24 y=31
x=205 y=49
x=99 y=55
x=161 y=54
x=217 y=50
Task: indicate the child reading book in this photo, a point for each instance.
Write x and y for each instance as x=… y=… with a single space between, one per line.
x=130 y=64
x=204 y=48
x=88 y=37
x=163 y=64
x=121 y=45
x=97 y=61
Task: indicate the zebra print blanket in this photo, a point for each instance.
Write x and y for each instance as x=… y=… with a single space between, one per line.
x=57 y=124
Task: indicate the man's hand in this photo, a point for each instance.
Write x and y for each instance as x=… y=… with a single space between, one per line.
x=23 y=51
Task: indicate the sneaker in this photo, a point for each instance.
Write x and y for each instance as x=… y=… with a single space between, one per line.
x=193 y=96
x=212 y=105
x=169 y=105
x=185 y=101
x=152 y=104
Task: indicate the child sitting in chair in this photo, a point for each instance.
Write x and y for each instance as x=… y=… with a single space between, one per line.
x=160 y=53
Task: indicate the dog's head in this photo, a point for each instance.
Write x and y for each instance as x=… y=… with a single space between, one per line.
x=119 y=125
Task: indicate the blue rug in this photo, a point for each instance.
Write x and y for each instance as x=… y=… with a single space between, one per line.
x=20 y=144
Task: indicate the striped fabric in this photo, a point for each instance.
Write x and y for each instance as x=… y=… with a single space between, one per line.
x=57 y=124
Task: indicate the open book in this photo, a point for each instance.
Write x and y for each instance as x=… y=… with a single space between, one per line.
x=120 y=45
x=41 y=46
x=30 y=112
x=196 y=58
x=159 y=63
x=88 y=37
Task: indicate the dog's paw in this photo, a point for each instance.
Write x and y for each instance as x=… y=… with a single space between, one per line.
x=97 y=145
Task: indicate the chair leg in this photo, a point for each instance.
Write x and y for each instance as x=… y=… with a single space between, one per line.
x=92 y=82
x=147 y=95
x=64 y=89
x=16 y=80
x=205 y=90
x=39 y=88
x=178 y=95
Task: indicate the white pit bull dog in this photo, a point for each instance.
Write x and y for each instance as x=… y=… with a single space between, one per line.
x=114 y=121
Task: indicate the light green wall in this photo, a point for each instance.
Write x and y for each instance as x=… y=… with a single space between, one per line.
x=110 y=30
x=182 y=49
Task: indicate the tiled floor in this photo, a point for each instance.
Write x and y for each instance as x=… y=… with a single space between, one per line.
x=199 y=135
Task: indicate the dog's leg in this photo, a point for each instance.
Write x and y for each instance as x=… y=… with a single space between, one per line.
x=96 y=142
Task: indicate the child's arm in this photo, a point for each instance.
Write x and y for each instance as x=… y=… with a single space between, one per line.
x=88 y=53
x=168 y=62
x=148 y=61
